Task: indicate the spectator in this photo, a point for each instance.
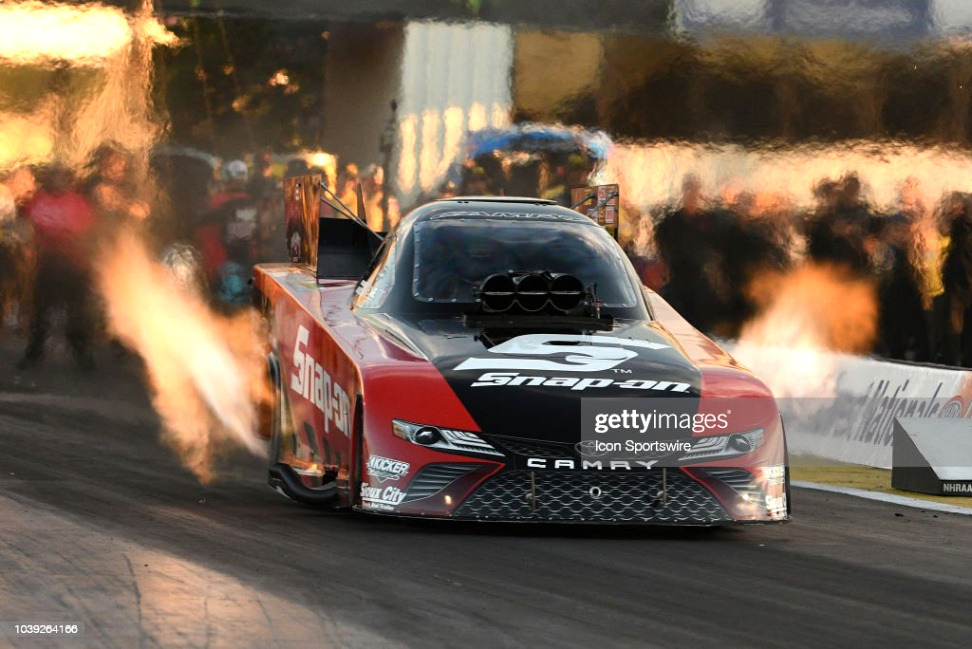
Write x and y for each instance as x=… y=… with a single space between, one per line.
x=347 y=186
x=688 y=244
x=227 y=236
x=957 y=282
x=475 y=182
x=902 y=324
x=931 y=245
x=836 y=234
x=373 y=192
x=265 y=191
x=296 y=167
x=112 y=191
x=525 y=178
x=63 y=223
x=16 y=190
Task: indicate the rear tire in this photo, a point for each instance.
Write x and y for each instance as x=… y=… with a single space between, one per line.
x=276 y=414
x=283 y=444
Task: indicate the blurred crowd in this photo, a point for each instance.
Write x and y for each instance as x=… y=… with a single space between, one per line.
x=208 y=221
x=706 y=254
x=380 y=206
x=548 y=175
x=52 y=220
x=211 y=221
x=714 y=258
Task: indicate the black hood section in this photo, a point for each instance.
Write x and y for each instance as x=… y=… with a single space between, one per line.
x=531 y=384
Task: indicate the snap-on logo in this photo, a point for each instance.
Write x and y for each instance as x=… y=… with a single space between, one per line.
x=310 y=381
x=583 y=353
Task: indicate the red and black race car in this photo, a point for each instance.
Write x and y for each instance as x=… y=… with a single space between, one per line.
x=446 y=371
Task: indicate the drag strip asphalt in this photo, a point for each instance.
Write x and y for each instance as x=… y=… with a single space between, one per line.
x=101 y=526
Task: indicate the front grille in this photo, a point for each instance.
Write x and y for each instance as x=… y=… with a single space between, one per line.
x=434 y=478
x=567 y=496
x=532 y=447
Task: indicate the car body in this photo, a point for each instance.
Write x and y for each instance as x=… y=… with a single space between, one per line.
x=401 y=393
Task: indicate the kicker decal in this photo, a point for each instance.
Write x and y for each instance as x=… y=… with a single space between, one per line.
x=384 y=469
x=311 y=381
x=584 y=353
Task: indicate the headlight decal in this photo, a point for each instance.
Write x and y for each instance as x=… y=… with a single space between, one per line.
x=724 y=446
x=444 y=439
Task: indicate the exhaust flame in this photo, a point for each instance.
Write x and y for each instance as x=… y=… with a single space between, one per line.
x=806 y=316
x=206 y=370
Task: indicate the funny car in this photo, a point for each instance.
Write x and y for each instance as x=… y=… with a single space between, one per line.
x=450 y=368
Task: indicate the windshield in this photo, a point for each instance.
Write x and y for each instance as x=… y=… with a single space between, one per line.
x=453 y=256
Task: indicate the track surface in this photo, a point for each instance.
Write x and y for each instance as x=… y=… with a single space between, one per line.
x=100 y=525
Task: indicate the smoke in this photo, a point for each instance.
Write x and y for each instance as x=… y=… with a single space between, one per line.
x=806 y=316
x=206 y=370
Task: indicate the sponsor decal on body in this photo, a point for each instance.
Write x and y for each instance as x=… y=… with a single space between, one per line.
x=384 y=469
x=585 y=353
x=490 y=379
x=776 y=506
x=311 y=381
x=774 y=474
x=381 y=498
x=774 y=477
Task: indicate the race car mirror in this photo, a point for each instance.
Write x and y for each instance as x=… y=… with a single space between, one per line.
x=601 y=203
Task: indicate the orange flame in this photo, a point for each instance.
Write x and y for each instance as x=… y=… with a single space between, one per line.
x=806 y=315
x=206 y=370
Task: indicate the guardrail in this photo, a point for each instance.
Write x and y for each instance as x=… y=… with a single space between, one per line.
x=842 y=408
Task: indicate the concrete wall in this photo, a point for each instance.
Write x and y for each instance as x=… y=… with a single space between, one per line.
x=362 y=77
